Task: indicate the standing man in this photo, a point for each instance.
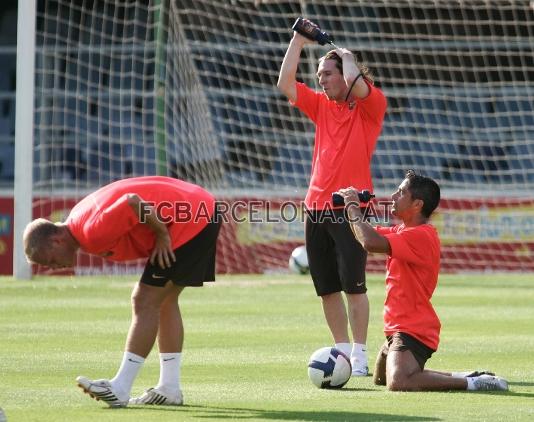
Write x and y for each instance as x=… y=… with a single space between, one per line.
x=165 y=220
x=348 y=116
x=411 y=325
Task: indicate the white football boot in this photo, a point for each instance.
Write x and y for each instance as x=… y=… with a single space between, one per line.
x=359 y=369
x=490 y=383
x=102 y=390
x=472 y=374
x=159 y=397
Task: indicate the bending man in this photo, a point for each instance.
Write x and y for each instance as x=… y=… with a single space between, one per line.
x=167 y=221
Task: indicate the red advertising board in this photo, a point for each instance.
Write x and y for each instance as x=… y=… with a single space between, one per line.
x=258 y=235
x=6 y=235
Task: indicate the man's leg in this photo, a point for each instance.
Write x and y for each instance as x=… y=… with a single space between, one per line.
x=170 y=343
x=351 y=260
x=403 y=373
x=146 y=303
x=321 y=252
x=379 y=375
x=358 y=310
x=358 y=305
x=171 y=329
x=336 y=316
x=146 y=307
x=170 y=334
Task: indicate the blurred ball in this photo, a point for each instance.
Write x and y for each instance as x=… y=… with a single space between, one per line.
x=298 y=261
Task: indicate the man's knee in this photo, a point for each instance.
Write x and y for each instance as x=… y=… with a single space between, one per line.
x=401 y=381
x=143 y=300
x=397 y=382
x=330 y=297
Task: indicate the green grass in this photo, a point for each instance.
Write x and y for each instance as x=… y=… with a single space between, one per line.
x=248 y=340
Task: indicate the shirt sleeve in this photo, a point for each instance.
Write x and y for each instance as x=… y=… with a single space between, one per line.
x=112 y=222
x=374 y=105
x=410 y=245
x=383 y=230
x=307 y=101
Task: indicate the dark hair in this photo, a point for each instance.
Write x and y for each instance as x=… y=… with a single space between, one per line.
x=332 y=55
x=425 y=189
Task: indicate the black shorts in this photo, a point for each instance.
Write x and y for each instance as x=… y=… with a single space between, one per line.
x=337 y=260
x=400 y=342
x=195 y=261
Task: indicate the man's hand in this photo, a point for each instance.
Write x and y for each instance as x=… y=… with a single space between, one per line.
x=343 y=51
x=352 y=204
x=163 y=252
x=350 y=195
x=364 y=233
x=301 y=39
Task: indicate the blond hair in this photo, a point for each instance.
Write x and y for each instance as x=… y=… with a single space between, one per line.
x=36 y=237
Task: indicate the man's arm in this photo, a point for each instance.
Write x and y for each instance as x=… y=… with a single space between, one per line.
x=351 y=72
x=287 y=79
x=163 y=252
x=370 y=240
x=365 y=234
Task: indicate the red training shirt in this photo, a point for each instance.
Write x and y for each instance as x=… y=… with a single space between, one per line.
x=104 y=224
x=345 y=139
x=411 y=278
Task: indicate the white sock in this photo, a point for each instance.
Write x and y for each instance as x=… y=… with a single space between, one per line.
x=471 y=383
x=130 y=367
x=169 y=372
x=359 y=351
x=343 y=347
x=459 y=374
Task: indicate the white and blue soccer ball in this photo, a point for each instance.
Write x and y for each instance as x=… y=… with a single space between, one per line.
x=298 y=261
x=329 y=368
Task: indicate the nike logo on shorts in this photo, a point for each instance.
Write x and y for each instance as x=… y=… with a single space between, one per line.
x=155 y=276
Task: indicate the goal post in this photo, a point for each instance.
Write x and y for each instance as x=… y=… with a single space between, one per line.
x=24 y=133
x=188 y=89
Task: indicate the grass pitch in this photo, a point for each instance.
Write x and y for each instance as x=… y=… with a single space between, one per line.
x=248 y=340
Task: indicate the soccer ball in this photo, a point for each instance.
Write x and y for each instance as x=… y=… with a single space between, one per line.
x=298 y=261
x=329 y=368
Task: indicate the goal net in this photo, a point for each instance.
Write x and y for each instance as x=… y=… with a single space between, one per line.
x=188 y=89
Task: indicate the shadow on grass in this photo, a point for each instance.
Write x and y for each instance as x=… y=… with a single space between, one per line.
x=521 y=384
x=236 y=413
x=351 y=389
x=518 y=394
x=496 y=393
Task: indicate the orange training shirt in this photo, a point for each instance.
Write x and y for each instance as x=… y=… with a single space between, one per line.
x=411 y=278
x=104 y=224
x=345 y=139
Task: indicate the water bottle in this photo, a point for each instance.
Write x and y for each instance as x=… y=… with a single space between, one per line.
x=314 y=33
x=364 y=196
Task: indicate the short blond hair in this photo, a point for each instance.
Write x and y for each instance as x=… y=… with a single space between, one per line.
x=37 y=235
